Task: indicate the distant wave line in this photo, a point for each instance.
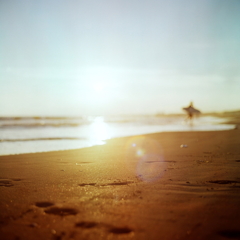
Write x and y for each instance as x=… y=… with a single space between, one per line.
x=39 y=139
x=43 y=125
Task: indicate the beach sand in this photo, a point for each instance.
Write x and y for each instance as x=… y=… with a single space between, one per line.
x=142 y=187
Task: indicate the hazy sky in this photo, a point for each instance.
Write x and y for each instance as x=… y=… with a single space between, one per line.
x=75 y=57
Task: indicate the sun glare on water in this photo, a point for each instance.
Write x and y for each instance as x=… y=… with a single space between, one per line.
x=99 y=130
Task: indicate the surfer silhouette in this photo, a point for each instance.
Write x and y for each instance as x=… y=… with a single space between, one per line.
x=191 y=111
x=190 y=114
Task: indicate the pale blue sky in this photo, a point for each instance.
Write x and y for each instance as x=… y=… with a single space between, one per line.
x=75 y=57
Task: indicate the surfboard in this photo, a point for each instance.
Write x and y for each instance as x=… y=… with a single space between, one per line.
x=191 y=110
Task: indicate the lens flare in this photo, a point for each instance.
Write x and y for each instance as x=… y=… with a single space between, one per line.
x=150 y=167
x=145 y=157
x=140 y=152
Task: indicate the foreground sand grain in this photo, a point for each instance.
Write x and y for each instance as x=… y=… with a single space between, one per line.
x=145 y=187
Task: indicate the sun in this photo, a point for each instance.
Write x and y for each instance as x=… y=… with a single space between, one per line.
x=99 y=93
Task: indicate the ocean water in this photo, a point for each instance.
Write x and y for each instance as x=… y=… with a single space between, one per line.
x=43 y=134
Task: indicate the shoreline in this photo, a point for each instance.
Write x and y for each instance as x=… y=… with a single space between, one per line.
x=59 y=143
x=140 y=187
x=47 y=137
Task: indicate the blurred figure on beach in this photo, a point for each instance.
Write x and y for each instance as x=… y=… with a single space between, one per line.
x=191 y=111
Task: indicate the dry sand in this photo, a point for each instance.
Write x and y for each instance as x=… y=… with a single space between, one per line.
x=145 y=187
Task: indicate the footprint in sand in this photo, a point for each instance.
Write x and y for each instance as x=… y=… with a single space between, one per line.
x=44 y=204
x=116 y=183
x=223 y=181
x=6 y=183
x=61 y=211
x=110 y=228
x=86 y=224
x=120 y=230
x=106 y=184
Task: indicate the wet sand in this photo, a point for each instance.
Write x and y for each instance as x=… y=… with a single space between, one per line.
x=143 y=187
